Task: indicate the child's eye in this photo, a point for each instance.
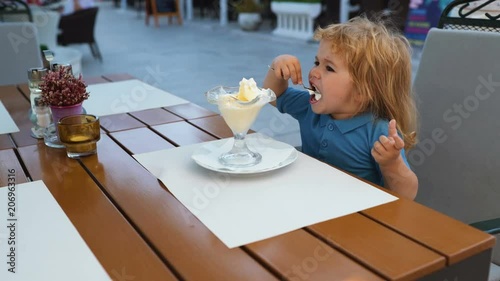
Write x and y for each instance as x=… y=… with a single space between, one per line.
x=316 y=63
x=329 y=68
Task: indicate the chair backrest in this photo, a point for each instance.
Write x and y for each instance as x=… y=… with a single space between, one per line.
x=78 y=27
x=19 y=51
x=167 y=8
x=47 y=23
x=457 y=86
x=14 y=11
x=480 y=15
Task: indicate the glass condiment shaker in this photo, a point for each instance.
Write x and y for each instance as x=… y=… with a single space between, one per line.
x=39 y=114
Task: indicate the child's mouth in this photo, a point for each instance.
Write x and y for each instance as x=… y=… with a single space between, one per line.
x=315 y=96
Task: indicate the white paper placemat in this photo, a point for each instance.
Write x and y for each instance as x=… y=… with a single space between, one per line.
x=47 y=247
x=126 y=96
x=7 y=125
x=240 y=209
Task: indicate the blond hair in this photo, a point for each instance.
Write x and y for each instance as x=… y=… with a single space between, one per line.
x=379 y=62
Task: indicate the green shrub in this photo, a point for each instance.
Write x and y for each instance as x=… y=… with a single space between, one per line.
x=246 y=6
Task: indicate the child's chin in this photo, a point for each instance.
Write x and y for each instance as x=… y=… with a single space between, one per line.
x=315 y=109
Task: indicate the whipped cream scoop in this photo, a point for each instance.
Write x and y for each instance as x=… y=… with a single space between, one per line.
x=316 y=94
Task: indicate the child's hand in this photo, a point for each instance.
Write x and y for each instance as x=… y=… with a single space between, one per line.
x=387 y=149
x=287 y=67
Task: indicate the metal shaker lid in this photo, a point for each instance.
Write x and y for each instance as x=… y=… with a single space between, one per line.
x=36 y=74
x=48 y=56
x=68 y=67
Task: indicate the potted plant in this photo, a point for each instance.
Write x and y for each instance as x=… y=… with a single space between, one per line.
x=64 y=94
x=248 y=11
x=295 y=18
x=60 y=88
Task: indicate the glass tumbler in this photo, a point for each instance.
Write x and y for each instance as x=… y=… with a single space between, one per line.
x=79 y=134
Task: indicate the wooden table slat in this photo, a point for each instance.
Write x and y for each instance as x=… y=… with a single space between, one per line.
x=190 y=111
x=183 y=133
x=116 y=244
x=10 y=167
x=214 y=125
x=119 y=122
x=25 y=90
x=141 y=140
x=18 y=108
x=156 y=116
x=311 y=259
x=447 y=236
x=390 y=254
x=6 y=142
x=182 y=239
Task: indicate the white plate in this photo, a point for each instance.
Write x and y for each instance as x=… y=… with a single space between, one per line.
x=275 y=155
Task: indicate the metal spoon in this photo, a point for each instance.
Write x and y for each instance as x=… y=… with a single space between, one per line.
x=310 y=90
x=316 y=94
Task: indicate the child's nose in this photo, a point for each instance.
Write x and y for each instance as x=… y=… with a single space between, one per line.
x=313 y=73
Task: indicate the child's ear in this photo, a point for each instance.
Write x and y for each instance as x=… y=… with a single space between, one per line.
x=361 y=100
x=358 y=97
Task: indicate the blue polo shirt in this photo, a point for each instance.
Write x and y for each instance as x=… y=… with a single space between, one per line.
x=345 y=144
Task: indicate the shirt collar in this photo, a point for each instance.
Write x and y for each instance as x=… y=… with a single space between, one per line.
x=346 y=125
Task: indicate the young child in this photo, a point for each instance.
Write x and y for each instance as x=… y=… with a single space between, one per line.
x=362 y=78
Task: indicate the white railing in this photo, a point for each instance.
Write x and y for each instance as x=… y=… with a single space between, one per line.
x=345 y=9
x=295 y=20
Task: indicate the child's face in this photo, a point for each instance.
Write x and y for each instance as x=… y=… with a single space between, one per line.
x=331 y=78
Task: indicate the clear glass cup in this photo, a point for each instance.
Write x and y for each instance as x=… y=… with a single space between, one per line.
x=79 y=134
x=239 y=116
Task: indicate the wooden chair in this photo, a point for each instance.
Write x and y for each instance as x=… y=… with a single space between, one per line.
x=166 y=8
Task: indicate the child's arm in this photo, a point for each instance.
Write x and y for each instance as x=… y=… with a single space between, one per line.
x=282 y=68
x=397 y=176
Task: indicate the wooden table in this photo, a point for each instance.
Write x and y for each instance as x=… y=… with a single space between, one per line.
x=139 y=231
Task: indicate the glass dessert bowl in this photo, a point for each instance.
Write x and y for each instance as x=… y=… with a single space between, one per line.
x=240 y=106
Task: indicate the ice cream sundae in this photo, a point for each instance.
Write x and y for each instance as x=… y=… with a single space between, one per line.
x=238 y=114
x=239 y=106
x=248 y=90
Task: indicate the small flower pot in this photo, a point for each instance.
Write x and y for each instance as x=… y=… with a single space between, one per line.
x=249 y=21
x=51 y=137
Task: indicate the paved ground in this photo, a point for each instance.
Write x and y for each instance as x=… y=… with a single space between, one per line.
x=187 y=60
